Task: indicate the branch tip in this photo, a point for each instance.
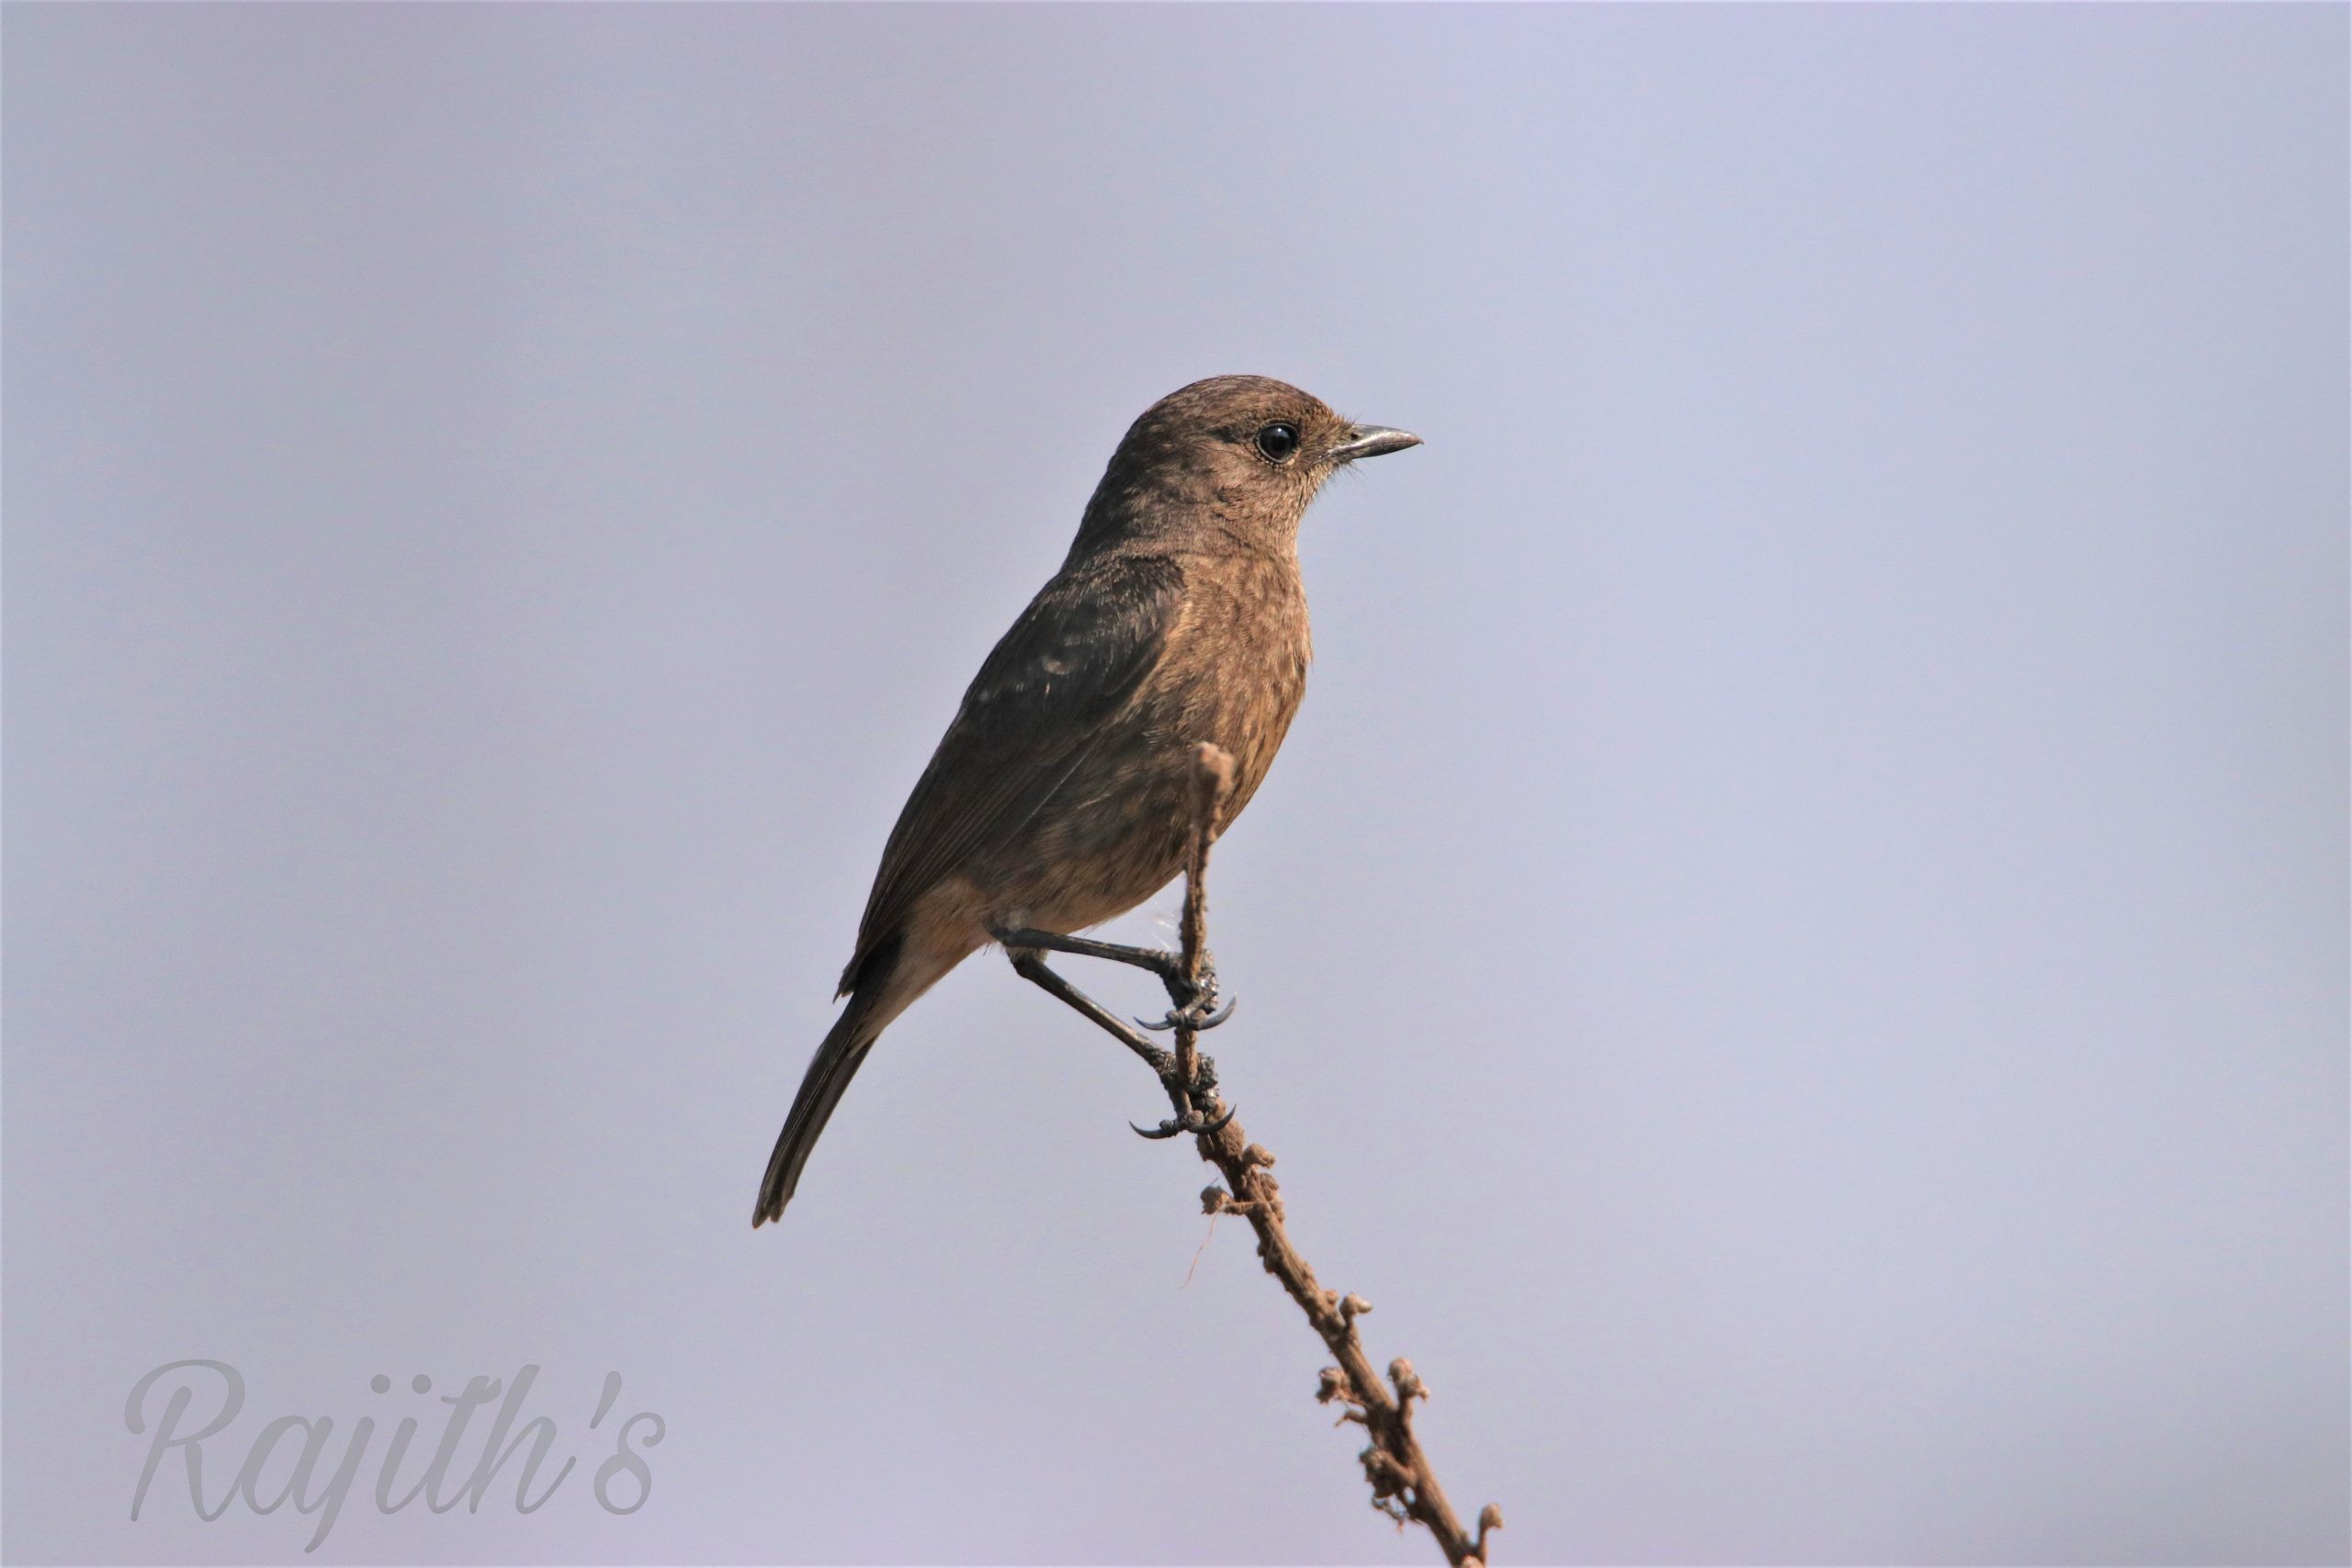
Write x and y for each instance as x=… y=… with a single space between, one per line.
x=1404 y=1487
x=1491 y=1517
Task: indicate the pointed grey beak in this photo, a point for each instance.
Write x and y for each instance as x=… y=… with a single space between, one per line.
x=1372 y=441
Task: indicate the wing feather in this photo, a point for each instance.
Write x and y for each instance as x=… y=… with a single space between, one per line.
x=1031 y=716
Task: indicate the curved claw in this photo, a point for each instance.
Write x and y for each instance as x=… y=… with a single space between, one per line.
x=1218 y=1126
x=1173 y=1125
x=1177 y=1018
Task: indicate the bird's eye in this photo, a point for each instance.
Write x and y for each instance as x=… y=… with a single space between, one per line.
x=1278 y=440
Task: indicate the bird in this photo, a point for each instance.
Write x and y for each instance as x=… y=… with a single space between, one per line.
x=1056 y=799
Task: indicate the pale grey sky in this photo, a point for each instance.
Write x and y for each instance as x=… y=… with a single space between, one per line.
x=1797 y=951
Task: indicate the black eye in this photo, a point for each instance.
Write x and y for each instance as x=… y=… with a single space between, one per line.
x=1278 y=440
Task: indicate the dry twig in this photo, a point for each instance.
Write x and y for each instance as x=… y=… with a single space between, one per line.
x=1404 y=1487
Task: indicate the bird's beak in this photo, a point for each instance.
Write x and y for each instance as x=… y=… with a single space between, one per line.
x=1372 y=441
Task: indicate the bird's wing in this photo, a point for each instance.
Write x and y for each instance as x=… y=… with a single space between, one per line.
x=1071 y=661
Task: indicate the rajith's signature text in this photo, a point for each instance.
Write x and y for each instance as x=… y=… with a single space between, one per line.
x=186 y=1405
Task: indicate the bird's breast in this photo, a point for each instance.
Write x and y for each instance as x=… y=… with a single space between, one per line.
x=1232 y=673
x=1237 y=665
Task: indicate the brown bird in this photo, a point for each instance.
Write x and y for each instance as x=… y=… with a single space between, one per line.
x=1056 y=799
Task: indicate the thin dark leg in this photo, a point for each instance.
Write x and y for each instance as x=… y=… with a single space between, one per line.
x=1195 y=1005
x=1159 y=960
x=1033 y=968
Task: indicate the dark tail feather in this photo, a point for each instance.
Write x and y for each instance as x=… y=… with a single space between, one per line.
x=837 y=1061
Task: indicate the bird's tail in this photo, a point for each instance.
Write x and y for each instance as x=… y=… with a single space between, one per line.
x=837 y=1061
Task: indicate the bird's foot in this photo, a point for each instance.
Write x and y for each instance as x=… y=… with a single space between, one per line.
x=1195 y=1002
x=1201 y=1091
x=1192 y=1017
x=1190 y=1122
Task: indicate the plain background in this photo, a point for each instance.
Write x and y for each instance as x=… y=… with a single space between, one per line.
x=1797 y=951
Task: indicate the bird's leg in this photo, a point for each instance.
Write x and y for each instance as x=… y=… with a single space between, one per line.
x=1194 y=1004
x=1167 y=965
x=1031 y=965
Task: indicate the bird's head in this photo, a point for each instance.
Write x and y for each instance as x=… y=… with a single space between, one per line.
x=1239 y=456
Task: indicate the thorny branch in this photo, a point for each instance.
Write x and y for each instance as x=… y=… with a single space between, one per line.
x=1404 y=1487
